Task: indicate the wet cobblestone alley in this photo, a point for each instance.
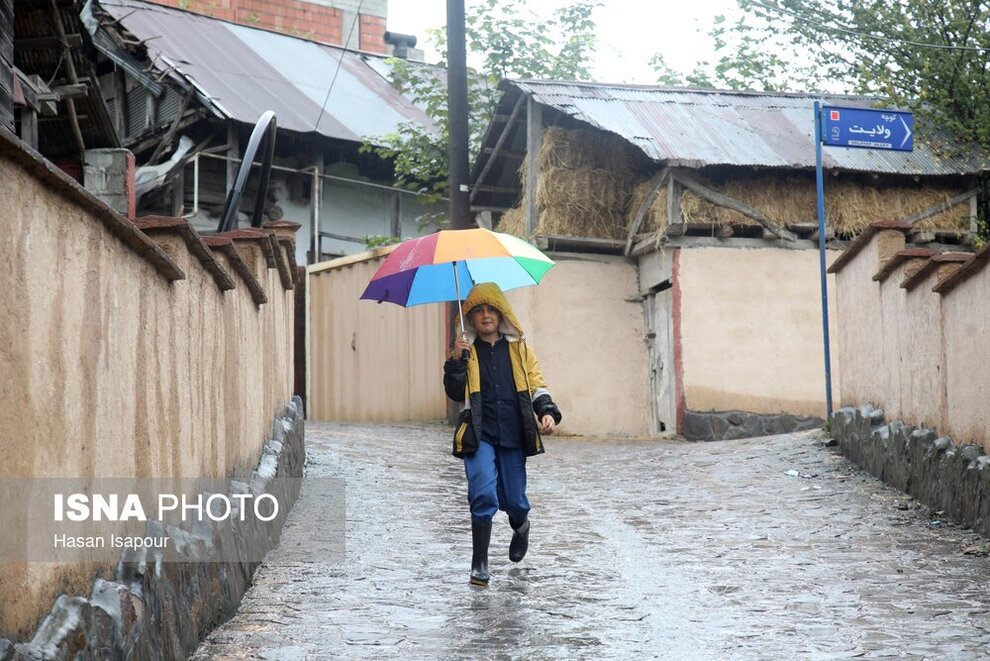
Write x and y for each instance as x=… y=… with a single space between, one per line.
x=763 y=548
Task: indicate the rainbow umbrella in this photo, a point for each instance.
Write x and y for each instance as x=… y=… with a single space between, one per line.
x=442 y=266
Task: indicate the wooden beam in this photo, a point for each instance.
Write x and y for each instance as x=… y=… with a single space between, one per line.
x=735 y=205
x=658 y=183
x=579 y=242
x=534 y=141
x=70 y=66
x=505 y=153
x=75 y=91
x=944 y=206
x=139 y=146
x=167 y=138
x=498 y=145
x=503 y=118
x=497 y=189
x=60 y=118
x=46 y=43
x=29 y=127
x=28 y=91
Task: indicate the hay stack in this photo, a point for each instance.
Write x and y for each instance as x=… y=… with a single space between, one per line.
x=513 y=222
x=586 y=178
x=655 y=219
x=791 y=200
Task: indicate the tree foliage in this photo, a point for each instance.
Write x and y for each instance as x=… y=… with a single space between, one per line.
x=504 y=40
x=930 y=55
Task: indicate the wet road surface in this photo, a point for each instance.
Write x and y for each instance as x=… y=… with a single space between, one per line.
x=764 y=548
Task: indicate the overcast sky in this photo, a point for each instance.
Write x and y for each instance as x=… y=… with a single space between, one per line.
x=629 y=31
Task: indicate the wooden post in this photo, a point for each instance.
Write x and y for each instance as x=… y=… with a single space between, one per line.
x=534 y=140
x=673 y=203
x=395 y=224
x=233 y=153
x=29 y=127
x=70 y=67
x=644 y=208
x=120 y=103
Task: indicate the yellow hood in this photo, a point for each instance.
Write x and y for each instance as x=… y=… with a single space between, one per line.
x=490 y=294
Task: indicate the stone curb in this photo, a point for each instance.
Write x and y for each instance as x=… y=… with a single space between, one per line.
x=950 y=478
x=730 y=425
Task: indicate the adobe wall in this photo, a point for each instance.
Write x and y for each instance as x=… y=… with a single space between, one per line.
x=128 y=353
x=751 y=331
x=585 y=324
x=921 y=422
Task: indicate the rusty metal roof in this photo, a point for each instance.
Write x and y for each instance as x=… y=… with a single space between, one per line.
x=701 y=128
x=244 y=71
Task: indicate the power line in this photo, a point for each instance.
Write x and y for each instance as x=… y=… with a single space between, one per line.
x=866 y=35
x=340 y=63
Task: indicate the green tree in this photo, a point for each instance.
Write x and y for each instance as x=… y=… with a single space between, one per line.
x=930 y=55
x=504 y=40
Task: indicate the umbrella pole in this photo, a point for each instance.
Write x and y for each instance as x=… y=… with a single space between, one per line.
x=457 y=287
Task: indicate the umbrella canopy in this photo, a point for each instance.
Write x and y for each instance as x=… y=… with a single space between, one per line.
x=445 y=265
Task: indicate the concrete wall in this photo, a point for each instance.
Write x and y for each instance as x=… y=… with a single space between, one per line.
x=750 y=331
x=123 y=358
x=917 y=353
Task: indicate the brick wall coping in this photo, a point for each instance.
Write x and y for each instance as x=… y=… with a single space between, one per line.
x=929 y=267
x=864 y=239
x=194 y=241
x=899 y=258
x=51 y=176
x=223 y=244
x=969 y=268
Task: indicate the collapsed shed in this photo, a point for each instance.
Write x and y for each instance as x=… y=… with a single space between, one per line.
x=711 y=196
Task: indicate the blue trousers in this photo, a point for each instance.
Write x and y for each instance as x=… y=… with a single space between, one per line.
x=496 y=479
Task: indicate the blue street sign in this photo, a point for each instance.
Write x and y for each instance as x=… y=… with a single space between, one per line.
x=868 y=128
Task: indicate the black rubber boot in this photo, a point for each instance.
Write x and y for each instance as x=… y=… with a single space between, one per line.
x=481 y=536
x=520 y=542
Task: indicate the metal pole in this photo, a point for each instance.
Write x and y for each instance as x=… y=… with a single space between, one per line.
x=457 y=287
x=821 y=258
x=195 y=209
x=457 y=110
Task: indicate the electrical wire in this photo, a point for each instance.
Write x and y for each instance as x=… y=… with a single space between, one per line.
x=340 y=63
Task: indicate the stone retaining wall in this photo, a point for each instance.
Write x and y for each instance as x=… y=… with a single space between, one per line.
x=161 y=610
x=951 y=478
x=728 y=425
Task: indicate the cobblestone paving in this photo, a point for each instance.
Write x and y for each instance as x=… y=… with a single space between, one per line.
x=765 y=548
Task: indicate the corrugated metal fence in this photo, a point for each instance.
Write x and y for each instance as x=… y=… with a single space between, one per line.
x=370 y=362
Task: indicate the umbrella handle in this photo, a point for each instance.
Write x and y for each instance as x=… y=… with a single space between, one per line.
x=465 y=354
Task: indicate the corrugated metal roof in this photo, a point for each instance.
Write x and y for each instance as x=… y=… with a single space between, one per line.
x=245 y=71
x=693 y=128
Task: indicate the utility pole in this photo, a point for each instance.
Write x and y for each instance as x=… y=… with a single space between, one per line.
x=457 y=110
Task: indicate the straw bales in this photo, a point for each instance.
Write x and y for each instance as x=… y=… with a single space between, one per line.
x=791 y=200
x=592 y=183
x=586 y=179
